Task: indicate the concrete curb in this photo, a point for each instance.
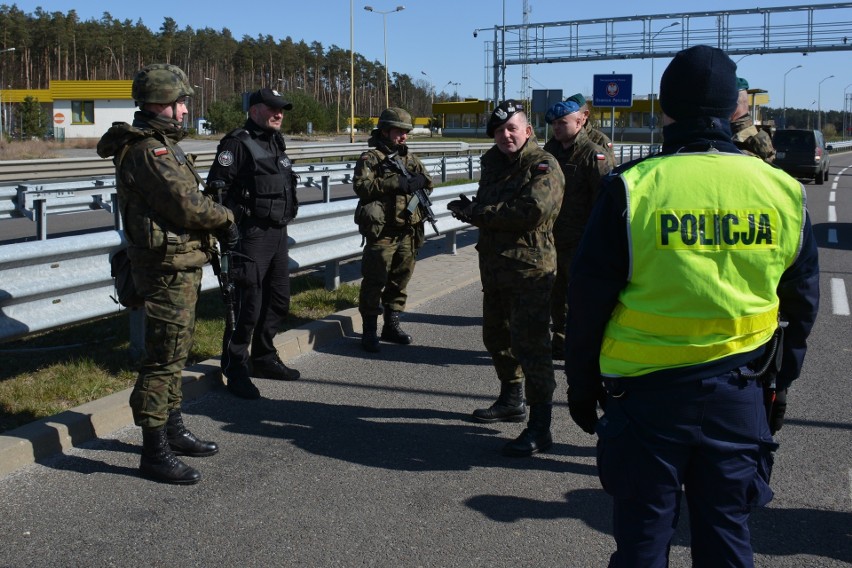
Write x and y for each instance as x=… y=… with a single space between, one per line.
x=41 y=439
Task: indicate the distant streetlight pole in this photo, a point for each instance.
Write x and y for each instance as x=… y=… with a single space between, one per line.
x=385 y=29
x=351 y=71
x=743 y=57
x=431 y=86
x=784 y=111
x=846 y=110
x=214 y=88
x=819 y=101
x=651 y=48
x=1 y=93
x=200 y=113
x=456 y=92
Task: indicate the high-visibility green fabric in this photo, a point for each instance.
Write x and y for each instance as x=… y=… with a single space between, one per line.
x=710 y=236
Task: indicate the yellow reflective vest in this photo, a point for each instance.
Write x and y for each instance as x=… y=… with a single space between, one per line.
x=710 y=235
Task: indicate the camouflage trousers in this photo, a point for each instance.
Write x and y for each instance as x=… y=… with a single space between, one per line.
x=387 y=266
x=559 y=295
x=516 y=332
x=170 y=300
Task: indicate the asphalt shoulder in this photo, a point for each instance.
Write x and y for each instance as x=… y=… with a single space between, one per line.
x=445 y=264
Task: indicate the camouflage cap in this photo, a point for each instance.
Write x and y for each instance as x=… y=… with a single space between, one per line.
x=160 y=83
x=394 y=117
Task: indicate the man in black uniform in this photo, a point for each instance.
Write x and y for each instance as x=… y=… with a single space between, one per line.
x=256 y=177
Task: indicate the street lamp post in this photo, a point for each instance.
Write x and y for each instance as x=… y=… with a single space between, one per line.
x=214 y=89
x=456 y=87
x=1 y=94
x=385 y=30
x=846 y=110
x=784 y=110
x=651 y=48
x=431 y=87
x=819 y=102
x=201 y=108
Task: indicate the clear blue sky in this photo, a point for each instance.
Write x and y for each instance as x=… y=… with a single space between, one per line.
x=436 y=37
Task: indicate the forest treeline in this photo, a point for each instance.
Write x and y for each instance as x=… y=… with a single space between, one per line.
x=53 y=46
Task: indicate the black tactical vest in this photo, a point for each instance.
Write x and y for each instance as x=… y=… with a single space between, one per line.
x=268 y=191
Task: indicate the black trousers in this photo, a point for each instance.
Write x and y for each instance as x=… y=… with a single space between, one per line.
x=263 y=286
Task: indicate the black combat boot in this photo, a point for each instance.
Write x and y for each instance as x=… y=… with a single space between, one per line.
x=391 y=330
x=509 y=406
x=160 y=464
x=183 y=442
x=536 y=436
x=369 y=339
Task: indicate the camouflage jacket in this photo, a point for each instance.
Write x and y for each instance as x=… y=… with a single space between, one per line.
x=377 y=181
x=167 y=220
x=583 y=164
x=516 y=205
x=750 y=140
x=602 y=140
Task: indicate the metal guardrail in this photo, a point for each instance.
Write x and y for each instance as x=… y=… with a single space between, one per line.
x=54 y=169
x=36 y=200
x=50 y=284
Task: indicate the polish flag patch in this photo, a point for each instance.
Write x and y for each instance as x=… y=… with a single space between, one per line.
x=600 y=157
x=161 y=151
x=543 y=167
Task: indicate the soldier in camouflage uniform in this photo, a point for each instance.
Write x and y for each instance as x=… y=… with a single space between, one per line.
x=518 y=200
x=594 y=134
x=168 y=225
x=747 y=137
x=386 y=176
x=583 y=164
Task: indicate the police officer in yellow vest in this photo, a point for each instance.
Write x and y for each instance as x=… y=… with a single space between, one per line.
x=688 y=261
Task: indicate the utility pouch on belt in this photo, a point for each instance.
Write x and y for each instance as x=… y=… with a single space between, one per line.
x=125 y=290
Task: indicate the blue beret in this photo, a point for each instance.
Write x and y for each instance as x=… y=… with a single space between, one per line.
x=561 y=109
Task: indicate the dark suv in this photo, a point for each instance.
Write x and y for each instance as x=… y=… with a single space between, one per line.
x=802 y=154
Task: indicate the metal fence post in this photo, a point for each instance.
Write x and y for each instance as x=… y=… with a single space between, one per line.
x=469 y=167
x=452 y=245
x=332 y=275
x=41 y=218
x=326 y=192
x=116 y=213
x=443 y=169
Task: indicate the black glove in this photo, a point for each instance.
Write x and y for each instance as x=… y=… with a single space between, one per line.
x=583 y=410
x=776 y=407
x=462 y=208
x=409 y=185
x=228 y=237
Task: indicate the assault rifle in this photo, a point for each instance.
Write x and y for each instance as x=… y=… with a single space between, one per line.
x=221 y=264
x=419 y=197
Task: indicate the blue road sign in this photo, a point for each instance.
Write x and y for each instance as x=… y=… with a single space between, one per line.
x=613 y=90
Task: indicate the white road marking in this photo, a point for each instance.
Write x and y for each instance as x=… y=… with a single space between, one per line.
x=832 y=236
x=832 y=214
x=839 y=303
x=831 y=196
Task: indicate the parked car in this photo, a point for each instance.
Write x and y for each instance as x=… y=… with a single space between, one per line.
x=802 y=154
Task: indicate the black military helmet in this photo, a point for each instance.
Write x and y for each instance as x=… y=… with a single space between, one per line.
x=394 y=117
x=160 y=83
